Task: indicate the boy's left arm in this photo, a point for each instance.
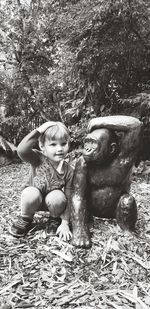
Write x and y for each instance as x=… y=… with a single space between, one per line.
x=63 y=230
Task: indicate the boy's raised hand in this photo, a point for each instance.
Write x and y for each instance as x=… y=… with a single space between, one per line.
x=45 y=126
x=63 y=231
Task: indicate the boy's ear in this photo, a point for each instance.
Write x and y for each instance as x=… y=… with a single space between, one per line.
x=41 y=145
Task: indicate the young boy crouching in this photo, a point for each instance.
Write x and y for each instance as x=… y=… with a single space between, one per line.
x=50 y=180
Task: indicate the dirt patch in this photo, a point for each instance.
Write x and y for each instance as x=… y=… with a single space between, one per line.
x=40 y=271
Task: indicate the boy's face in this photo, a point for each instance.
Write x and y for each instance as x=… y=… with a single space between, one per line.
x=55 y=150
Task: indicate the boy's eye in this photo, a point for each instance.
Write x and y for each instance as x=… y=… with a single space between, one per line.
x=64 y=144
x=52 y=144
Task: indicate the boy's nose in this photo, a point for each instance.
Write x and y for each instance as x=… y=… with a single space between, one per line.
x=59 y=148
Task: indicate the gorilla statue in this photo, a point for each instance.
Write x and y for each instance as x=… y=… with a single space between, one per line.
x=101 y=180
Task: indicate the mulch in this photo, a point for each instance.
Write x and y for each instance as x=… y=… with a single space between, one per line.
x=40 y=271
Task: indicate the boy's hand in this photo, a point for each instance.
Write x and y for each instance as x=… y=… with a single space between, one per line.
x=63 y=231
x=45 y=126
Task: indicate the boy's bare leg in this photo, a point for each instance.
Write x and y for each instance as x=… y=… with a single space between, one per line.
x=56 y=202
x=31 y=201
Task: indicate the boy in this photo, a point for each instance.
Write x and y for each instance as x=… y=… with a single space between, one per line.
x=50 y=180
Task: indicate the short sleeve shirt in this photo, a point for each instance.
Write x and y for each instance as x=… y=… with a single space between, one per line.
x=46 y=178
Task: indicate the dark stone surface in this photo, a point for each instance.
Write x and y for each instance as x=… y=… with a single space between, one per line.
x=102 y=175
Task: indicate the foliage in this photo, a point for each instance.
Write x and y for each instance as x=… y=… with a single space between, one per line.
x=112 y=45
x=31 y=52
x=62 y=58
x=139 y=106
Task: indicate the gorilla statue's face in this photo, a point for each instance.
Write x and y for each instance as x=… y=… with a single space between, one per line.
x=98 y=146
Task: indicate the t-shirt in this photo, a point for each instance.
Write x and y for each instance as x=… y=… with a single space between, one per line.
x=43 y=174
x=46 y=178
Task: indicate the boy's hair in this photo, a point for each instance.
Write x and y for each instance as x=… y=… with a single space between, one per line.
x=57 y=131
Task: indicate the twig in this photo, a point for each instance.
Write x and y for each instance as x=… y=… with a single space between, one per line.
x=133 y=299
x=68 y=300
x=113 y=305
x=136 y=259
x=104 y=266
x=142 y=287
x=106 y=249
x=9 y=286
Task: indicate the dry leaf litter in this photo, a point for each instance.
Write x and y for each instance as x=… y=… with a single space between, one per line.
x=40 y=271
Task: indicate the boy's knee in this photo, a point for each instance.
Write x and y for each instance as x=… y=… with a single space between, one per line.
x=56 y=202
x=31 y=195
x=31 y=200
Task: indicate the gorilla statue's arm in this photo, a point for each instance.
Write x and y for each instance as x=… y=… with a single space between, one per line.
x=127 y=124
x=130 y=126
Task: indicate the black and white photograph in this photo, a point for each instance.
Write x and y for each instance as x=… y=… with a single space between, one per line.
x=75 y=154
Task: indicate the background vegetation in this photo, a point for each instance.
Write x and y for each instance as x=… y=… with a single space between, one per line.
x=71 y=60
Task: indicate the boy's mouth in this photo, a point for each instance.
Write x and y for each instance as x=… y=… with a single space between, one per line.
x=59 y=154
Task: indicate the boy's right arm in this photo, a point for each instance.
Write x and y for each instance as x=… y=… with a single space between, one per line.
x=25 y=148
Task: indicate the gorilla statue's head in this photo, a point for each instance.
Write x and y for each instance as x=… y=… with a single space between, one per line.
x=100 y=146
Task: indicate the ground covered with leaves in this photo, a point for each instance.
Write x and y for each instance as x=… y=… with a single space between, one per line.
x=40 y=271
